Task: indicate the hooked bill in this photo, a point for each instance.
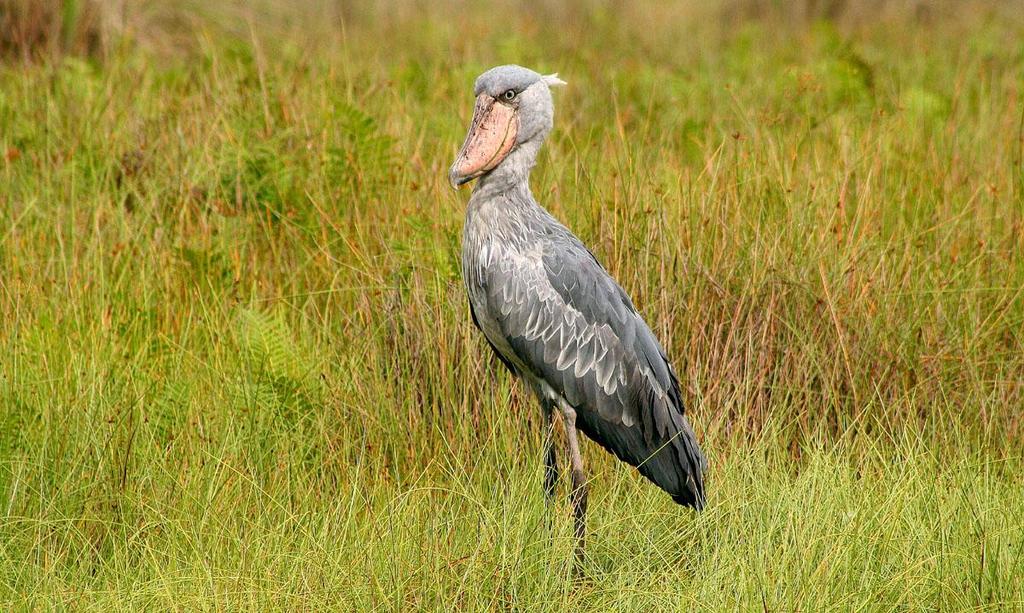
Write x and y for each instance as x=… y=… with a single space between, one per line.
x=491 y=137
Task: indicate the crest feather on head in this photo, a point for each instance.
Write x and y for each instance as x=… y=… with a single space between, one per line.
x=552 y=80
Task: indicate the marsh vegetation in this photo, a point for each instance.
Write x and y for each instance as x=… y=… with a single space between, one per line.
x=237 y=367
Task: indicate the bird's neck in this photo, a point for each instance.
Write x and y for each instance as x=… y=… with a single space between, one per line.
x=513 y=174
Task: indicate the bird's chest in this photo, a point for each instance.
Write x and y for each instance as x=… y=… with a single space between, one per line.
x=490 y=244
x=490 y=259
x=482 y=255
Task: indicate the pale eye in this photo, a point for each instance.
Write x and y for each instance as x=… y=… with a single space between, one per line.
x=509 y=95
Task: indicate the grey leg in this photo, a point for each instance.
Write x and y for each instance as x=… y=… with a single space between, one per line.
x=579 y=480
x=550 y=460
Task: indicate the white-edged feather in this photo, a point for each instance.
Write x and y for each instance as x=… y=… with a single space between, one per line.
x=553 y=81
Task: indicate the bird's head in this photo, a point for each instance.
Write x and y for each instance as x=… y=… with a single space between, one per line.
x=513 y=107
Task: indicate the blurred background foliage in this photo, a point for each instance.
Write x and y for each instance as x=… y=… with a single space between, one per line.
x=817 y=203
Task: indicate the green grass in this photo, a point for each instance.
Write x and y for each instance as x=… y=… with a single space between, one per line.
x=237 y=368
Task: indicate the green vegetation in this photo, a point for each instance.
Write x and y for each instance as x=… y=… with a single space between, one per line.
x=237 y=367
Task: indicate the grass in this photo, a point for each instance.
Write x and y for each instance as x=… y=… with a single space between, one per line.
x=237 y=367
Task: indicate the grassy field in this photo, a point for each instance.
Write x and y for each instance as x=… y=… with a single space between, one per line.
x=237 y=368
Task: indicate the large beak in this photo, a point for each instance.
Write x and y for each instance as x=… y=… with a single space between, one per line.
x=491 y=137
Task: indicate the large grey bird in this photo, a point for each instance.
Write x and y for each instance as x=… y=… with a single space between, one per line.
x=554 y=315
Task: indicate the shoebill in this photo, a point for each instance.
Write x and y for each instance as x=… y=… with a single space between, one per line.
x=553 y=314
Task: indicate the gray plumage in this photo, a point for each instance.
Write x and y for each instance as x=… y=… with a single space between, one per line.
x=557 y=319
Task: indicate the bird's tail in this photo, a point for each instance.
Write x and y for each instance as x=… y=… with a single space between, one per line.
x=691 y=459
x=676 y=464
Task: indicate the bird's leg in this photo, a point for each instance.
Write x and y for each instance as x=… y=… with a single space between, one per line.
x=579 y=480
x=550 y=461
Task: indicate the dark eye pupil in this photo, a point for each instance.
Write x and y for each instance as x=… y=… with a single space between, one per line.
x=510 y=95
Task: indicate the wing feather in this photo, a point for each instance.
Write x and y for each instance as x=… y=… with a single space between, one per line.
x=569 y=323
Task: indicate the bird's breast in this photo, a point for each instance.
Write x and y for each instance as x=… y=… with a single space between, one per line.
x=487 y=251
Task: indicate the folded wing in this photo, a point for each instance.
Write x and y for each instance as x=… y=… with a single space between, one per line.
x=568 y=323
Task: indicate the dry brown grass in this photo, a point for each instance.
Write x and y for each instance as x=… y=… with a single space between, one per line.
x=44 y=29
